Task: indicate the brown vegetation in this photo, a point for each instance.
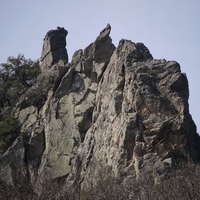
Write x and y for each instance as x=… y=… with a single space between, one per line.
x=183 y=184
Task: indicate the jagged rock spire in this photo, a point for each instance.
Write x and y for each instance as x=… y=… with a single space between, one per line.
x=104 y=33
x=54 y=48
x=115 y=108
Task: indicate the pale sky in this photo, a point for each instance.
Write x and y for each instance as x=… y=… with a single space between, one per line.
x=169 y=28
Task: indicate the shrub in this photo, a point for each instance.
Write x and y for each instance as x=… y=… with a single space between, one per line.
x=183 y=184
x=16 y=76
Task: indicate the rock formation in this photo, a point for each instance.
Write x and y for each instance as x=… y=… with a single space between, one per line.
x=112 y=108
x=54 y=48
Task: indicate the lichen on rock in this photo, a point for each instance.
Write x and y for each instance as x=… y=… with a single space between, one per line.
x=114 y=107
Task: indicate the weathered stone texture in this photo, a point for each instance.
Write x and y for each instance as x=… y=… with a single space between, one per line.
x=141 y=115
x=12 y=160
x=54 y=48
x=112 y=108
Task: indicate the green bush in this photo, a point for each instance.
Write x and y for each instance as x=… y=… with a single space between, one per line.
x=16 y=76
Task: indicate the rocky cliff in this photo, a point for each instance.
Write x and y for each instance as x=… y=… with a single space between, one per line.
x=112 y=109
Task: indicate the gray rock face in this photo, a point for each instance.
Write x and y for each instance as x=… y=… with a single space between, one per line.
x=141 y=115
x=11 y=160
x=54 y=48
x=112 y=108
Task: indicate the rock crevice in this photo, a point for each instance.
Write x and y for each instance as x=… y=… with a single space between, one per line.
x=115 y=107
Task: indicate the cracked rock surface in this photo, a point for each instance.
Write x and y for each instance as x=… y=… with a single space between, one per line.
x=115 y=108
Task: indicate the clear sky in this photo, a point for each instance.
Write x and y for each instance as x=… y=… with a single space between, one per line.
x=169 y=28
